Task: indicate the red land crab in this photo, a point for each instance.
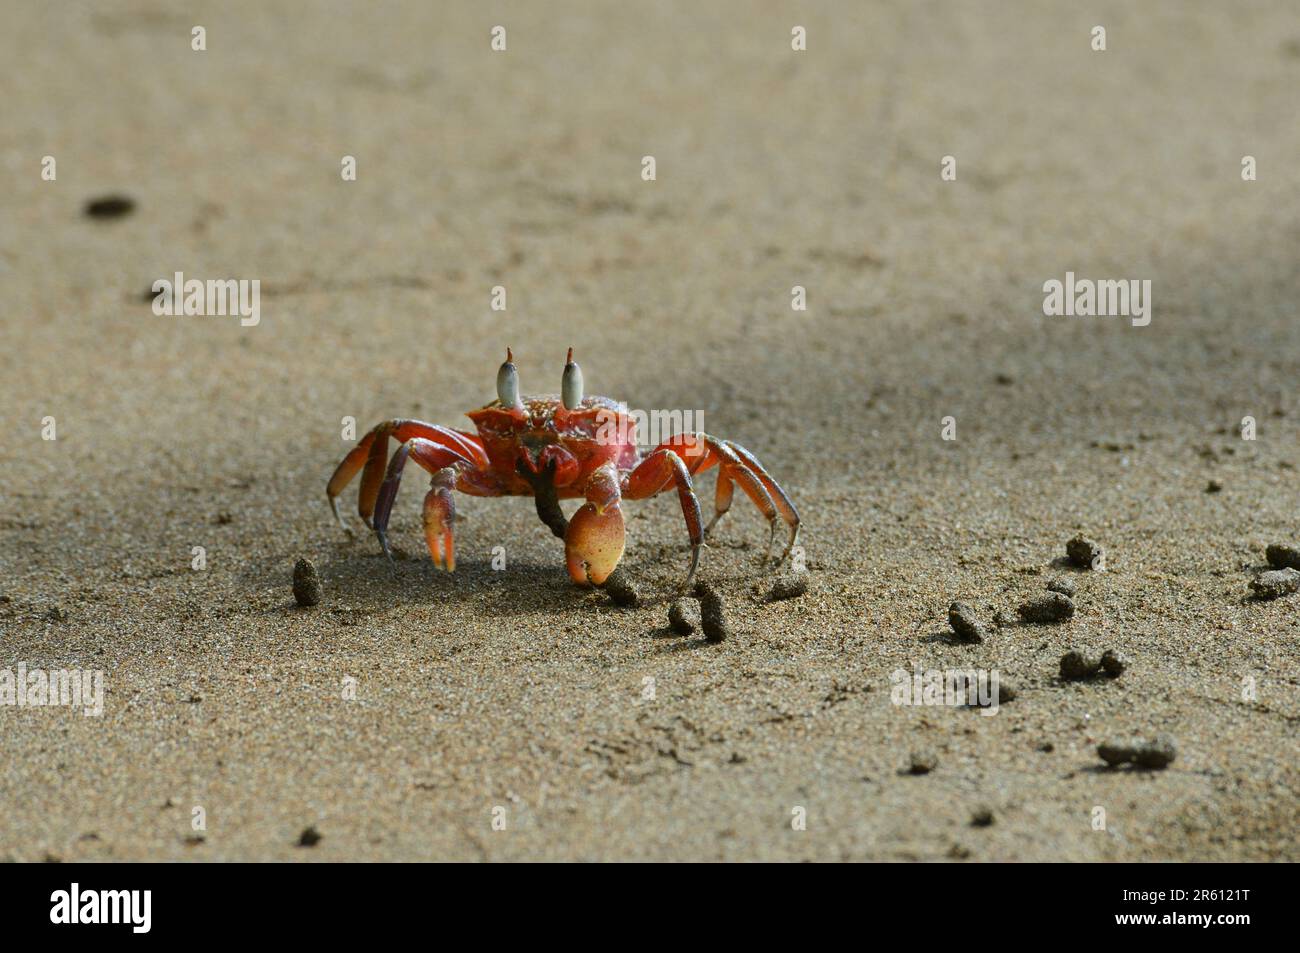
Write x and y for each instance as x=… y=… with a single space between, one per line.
x=553 y=448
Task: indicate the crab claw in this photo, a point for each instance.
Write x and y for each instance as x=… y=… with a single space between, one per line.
x=593 y=543
x=439 y=519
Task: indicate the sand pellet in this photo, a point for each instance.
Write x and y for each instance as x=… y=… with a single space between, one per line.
x=306 y=584
x=1075 y=666
x=1280 y=556
x=1052 y=607
x=789 y=585
x=1083 y=552
x=620 y=589
x=1065 y=587
x=964 y=623
x=922 y=762
x=712 y=619
x=1006 y=692
x=109 y=206
x=1154 y=755
x=684 y=616
x=1275 y=583
x=1115 y=752
x=1113 y=664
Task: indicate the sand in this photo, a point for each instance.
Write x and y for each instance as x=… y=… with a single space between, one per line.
x=507 y=715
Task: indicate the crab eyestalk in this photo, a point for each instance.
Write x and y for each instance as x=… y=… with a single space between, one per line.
x=571 y=384
x=508 y=383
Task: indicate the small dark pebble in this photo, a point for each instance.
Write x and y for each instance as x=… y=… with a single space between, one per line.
x=1082 y=552
x=964 y=624
x=1064 y=586
x=712 y=619
x=683 y=616
x=306 y=584
x=1276 y=583
x=109 y=206
x=983 y=817
x=1283 y=557
x=1154 y=755
x=223 y=519
x=56 y=614
x=922 y=762
x=620 y=589
x=1052 y=607
x=790 y=585
x=1214 y=486
x=310 y=837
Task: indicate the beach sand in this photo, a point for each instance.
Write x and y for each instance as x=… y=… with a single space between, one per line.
x=511 y=699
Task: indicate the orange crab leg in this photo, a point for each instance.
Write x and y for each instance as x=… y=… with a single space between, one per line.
x=783 y=503
x=439 y=510
x=735 y=465
x=372 y=454
x=654 y=474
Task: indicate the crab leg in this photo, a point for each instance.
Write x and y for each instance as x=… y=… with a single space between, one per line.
x=654 y=474
x=440 y=518
x=372 y=454
x=735 y=465
x=439 y=510
x=783 y=503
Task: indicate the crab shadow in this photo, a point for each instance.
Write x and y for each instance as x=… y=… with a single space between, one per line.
x=361 y=581
x=524 y=587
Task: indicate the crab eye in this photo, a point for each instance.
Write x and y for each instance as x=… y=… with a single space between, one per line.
x=571 y=385
x=508 y=383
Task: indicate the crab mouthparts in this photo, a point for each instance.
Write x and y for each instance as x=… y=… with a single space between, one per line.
x=533 y=455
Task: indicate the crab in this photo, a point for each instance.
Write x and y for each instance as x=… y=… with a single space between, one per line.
x=552 y=448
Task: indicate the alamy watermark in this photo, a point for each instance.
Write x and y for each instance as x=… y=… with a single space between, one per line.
x=1125 y=297
x=648 y=428
x=967 y=687
x=129 y=907
x=214 y=296
x=33 y=688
